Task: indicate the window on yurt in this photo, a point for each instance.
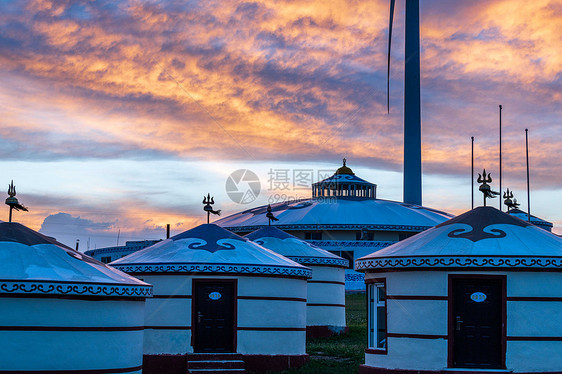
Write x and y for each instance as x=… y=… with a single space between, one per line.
x=348 y=255
x=313 y=235
x=364 y=235
x=377 y=315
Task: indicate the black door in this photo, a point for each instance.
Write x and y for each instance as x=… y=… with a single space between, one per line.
x=477 y=323
x=213 y=316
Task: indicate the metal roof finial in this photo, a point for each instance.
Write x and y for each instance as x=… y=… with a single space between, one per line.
x=208 y=201
x=509 y=201
x=270 y=215
x=12 y=201
x=485 y=187
x=344 y=161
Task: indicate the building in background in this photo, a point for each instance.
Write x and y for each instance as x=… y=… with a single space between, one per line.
x=343 y=216
x=109 y=254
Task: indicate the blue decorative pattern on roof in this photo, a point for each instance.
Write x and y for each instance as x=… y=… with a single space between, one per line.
x=355 y=277
x=478 y=224
x=74 y=289
x=221 y=244
x=334 y=244
x=342 y=227
x=320 y=261
x=210 y=238
x=217 y=268
x=478 y=262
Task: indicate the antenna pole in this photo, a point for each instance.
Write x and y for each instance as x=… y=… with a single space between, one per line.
x=500 y=157
x=528 y=188
x=168 y=231
x=472 y=173
x=118 y=234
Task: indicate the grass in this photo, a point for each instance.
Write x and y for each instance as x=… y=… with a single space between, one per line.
x=339 y=354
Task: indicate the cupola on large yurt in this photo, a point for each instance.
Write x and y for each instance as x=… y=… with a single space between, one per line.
x=481 y=292
x=220 y=301
x=325 y=311
x=64 y=312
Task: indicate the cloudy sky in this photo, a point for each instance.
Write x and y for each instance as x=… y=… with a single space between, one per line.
x=118 y=116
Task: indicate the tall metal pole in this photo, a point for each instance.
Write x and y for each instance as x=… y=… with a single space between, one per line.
x=412 y=106
x=500 y=200
x=472 y=173
x=528 y=184
x=11 y=208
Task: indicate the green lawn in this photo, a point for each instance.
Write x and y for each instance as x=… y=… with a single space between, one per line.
x=340 y=354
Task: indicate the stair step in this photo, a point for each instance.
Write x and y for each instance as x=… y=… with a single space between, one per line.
x=214 y=371
x=213 y=363
x=230 y=364
x=214 y=356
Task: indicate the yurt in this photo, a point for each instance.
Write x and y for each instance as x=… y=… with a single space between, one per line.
x=325 y=307
x=479 y=293
x=63 y=312
x=220 y=301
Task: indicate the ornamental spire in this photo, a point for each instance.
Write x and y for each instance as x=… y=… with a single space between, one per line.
x=12 y=201
x=270 y=215
x=485 y=187
x=509 y=201
x=209 y=201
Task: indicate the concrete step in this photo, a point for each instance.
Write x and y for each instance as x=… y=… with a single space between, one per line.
x=213 y=363
x=214 y=371
x=230 y=364
x=213 y=356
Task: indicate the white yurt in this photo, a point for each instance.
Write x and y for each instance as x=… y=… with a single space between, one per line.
x=325 y=307
x=63 y=312
x=220 y=299
x=481 y=292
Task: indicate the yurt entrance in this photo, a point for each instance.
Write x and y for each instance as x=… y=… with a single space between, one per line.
x=477 y=322
x=213 y=315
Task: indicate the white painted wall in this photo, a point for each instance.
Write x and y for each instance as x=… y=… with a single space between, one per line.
x=272 y=343
x=534 y=356
x=412 y=354
x=326 y=293
x=427 y=317
x=175 y=342
x=70 y=350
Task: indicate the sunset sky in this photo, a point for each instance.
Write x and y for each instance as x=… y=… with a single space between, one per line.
x=118 y=116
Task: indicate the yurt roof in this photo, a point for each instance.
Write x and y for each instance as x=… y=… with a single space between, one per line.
x=209 y=248
x=341 y=213
x=294 y=248
x=534 y=219
x=35 y=264
x=481 y=238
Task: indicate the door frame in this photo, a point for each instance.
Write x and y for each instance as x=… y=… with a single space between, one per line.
x=234 y=282
x=451 y=316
